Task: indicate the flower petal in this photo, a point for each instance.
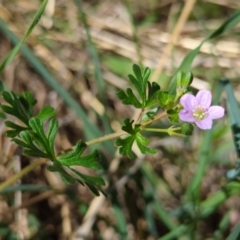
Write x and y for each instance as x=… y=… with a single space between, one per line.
x=188 y=101
x=216 y=112
x=186 y=116
x=204 y=98
x=205 y=124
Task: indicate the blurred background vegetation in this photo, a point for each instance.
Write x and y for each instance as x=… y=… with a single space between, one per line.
x=79 y=56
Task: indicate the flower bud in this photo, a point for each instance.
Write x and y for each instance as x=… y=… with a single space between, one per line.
x=187 y=129
x=184 y=80
x=166 y=100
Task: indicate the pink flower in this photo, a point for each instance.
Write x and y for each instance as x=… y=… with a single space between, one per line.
x=197 y=109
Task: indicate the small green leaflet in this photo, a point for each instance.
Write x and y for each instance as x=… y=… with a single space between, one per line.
x=126 y=143
x=45 y=113
x=45 y=141
x=34 y=140
x=147 y=92
x=16 y=129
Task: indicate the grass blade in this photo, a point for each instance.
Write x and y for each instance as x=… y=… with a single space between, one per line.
x=235 y=235
x=16 y=49
x=97 y=67
x=187 y=61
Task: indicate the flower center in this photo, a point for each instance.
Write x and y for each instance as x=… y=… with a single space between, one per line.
x=199 y=112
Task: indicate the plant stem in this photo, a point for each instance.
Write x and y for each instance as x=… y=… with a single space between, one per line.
x=107 y=137
x=154 y=119
x=156 y=130
x=170 y=131
x=24 y=171
x=121 y=133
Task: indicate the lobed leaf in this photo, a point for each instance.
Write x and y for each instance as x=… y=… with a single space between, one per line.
x=129 y=98
x=153 y=90
x=74 y=158
x=20 y=107
x=126 y=143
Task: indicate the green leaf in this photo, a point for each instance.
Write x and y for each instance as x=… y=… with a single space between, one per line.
x=129 y=98
x=37 y=127
x=46 y=112
x=126 y=143
x=20 y=105
x=137 y=83
x=46 y=142
x=74 y=158
x=89 y=179
x=16 y=129
x=27 y=101
x=153 y=90
x=12 y=133
x=2 y=115
x=7 y=96
x=34 y=153
x=31 y=149
x=129 y=128
x=147 y=91
x=142 y=142
x=71 y=176
x=20 y=143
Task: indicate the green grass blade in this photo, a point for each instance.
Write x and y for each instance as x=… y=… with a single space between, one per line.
x=223 y=226
x=90 y=130
x=235 y=235
x=187 y=61
x=97 y=67
x=207 y=207
x=232 y=104
x=134 y=32
x=16 y=49
x=148 y=213
x=174 y=234
x=160 y=211
x=234 y=117
x=120 y=217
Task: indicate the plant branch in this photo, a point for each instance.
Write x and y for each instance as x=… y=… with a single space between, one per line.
x=154 y=119
x=106 y=137
x=118 y=134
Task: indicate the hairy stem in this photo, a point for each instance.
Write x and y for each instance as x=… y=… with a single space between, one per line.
x=154 y=119
x=118 y=134
x=107 y=137
x=20 y=174
x=171 y=131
